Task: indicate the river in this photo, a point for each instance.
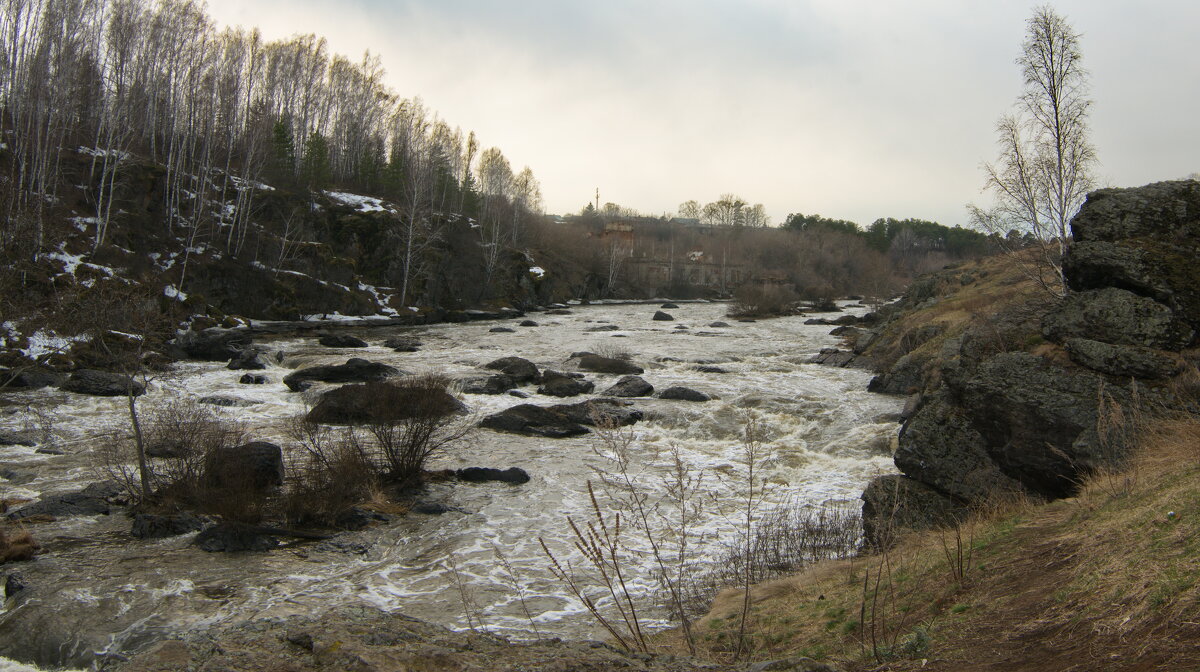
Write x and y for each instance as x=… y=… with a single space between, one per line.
x=95 y=589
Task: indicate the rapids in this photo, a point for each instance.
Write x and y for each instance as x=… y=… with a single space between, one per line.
x=96 y=590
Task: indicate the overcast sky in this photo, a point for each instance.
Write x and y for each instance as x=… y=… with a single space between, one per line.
x=854 y=110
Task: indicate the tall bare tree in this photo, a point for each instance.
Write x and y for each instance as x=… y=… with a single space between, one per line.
x=1044 y=170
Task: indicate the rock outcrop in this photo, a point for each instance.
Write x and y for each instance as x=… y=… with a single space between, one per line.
x=999 y=416
x=353 y=371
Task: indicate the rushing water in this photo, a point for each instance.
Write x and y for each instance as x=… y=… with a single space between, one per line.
x=825 y=438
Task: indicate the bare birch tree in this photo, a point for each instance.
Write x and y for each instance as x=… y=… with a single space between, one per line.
x=1044 y=170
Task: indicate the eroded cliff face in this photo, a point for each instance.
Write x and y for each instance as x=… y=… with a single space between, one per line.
x=1023 y=397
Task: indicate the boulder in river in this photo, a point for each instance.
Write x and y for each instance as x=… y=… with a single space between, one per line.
x=154 y=526
x=383 y=402
x=403 y=344
x=534 y=421
x=603 y=327
x=257 y=465
x=602 y=364
x=556 y=384
x=90 y=501
x=612 y=411
x=102 y=384
x=668 y=306
x=630 y=386
x=514 y=475
x=28 y=379
x=660 y=316
x=213 y=344
x=495 y=384
x=252 y=379
x=249 y=359
x=521 y=370
x=353 y=371
x=341 y=341
x=681 y=393
x=501 y=330
x=718 y=324
x=527 y=323
x=234 y=538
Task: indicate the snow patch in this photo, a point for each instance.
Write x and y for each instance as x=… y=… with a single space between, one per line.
x=98 y=152
x=172 y=293
x=537 y=271
x=243 y=184
x=360 y=203
x=46 y=342
x=81 y=223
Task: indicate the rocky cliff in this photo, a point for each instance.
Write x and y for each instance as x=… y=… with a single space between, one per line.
x=1033 y=392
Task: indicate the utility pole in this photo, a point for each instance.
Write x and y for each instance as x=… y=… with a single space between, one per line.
x=597 y=199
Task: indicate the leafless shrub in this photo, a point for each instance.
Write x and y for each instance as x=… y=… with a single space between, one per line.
x=333 y=474
x=754 y=299
x=429 y=421
x=17 y=546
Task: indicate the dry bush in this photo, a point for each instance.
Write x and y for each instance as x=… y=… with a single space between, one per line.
x=429 y=421
x=334 y=474
x=753 y=299
x=17 y=546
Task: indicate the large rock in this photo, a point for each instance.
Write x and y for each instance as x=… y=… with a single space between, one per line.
x=906 y=376
x=681 y=393
x=102 y=384
x=556 y=384
x=153 y=526
x=249 y=359
x=494 y=384
x=1118 y=317
x=378 y=402
x=403 y=344
x=940 y=448
x=256 y=465
x=521 y=370
x=1145 y=239
x=353 y=371
x=833 y=357
x=1039 y=420
x=630 y=386
x=893 y=503
x=602 y=364
x=514 y=475
x=660 y=316
x=28 y=379
x=213 y=344
x=608 y=411
x=534 y=421
x=233 y=538
x=90 y=501
x=1124 y=361
x=341 y=341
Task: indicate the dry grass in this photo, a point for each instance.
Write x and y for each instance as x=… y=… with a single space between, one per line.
x=16 y=545
x=1107 y=580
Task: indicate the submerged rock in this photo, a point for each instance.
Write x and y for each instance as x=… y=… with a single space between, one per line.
x=601 y=364
x=153 y=526
x=90 y=501
x=233 y=538
x=403 y=344
x=257 y=465
x=556 y=384
x=680 y=393
x=660 y=316
x=495 y=384
x=382 y=402
x=514 y=475
x=341 y=341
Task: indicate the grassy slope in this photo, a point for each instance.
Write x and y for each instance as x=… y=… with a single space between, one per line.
x=1102 y=581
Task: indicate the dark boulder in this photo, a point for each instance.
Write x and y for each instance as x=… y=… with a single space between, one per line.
x=494 y=384
x=1145 y=239
x=251 y=379
x=249 y=359
x=534 y=421
x=357 y=518
x=90 y=501
x=833 y=357
x=660 y=316
x=904 y=377
x=527 y=323
x=668 y=306
x=383 y=403
x=234 y=538
x=403 y=344
x=1124 y=361
x=213 y=344
x=1039 y=420
x=718 y=324
x=711 y=368
x=13 y=584
x=630 y=386
x=501 y=330
x=353 y=371
x=514 y=475
x=893 y=503
x=521 y=370
x=28 y=379
x=603 y=327
x=558 y=311
x=680 y=393
x=609 y=411
x=601 y=364
x=153 y=526
x=102 y=384
x=433 y=508
x=557 y=384
x=940 y=448
x=1118 y=317
x=341 y=341
x=256 y=465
